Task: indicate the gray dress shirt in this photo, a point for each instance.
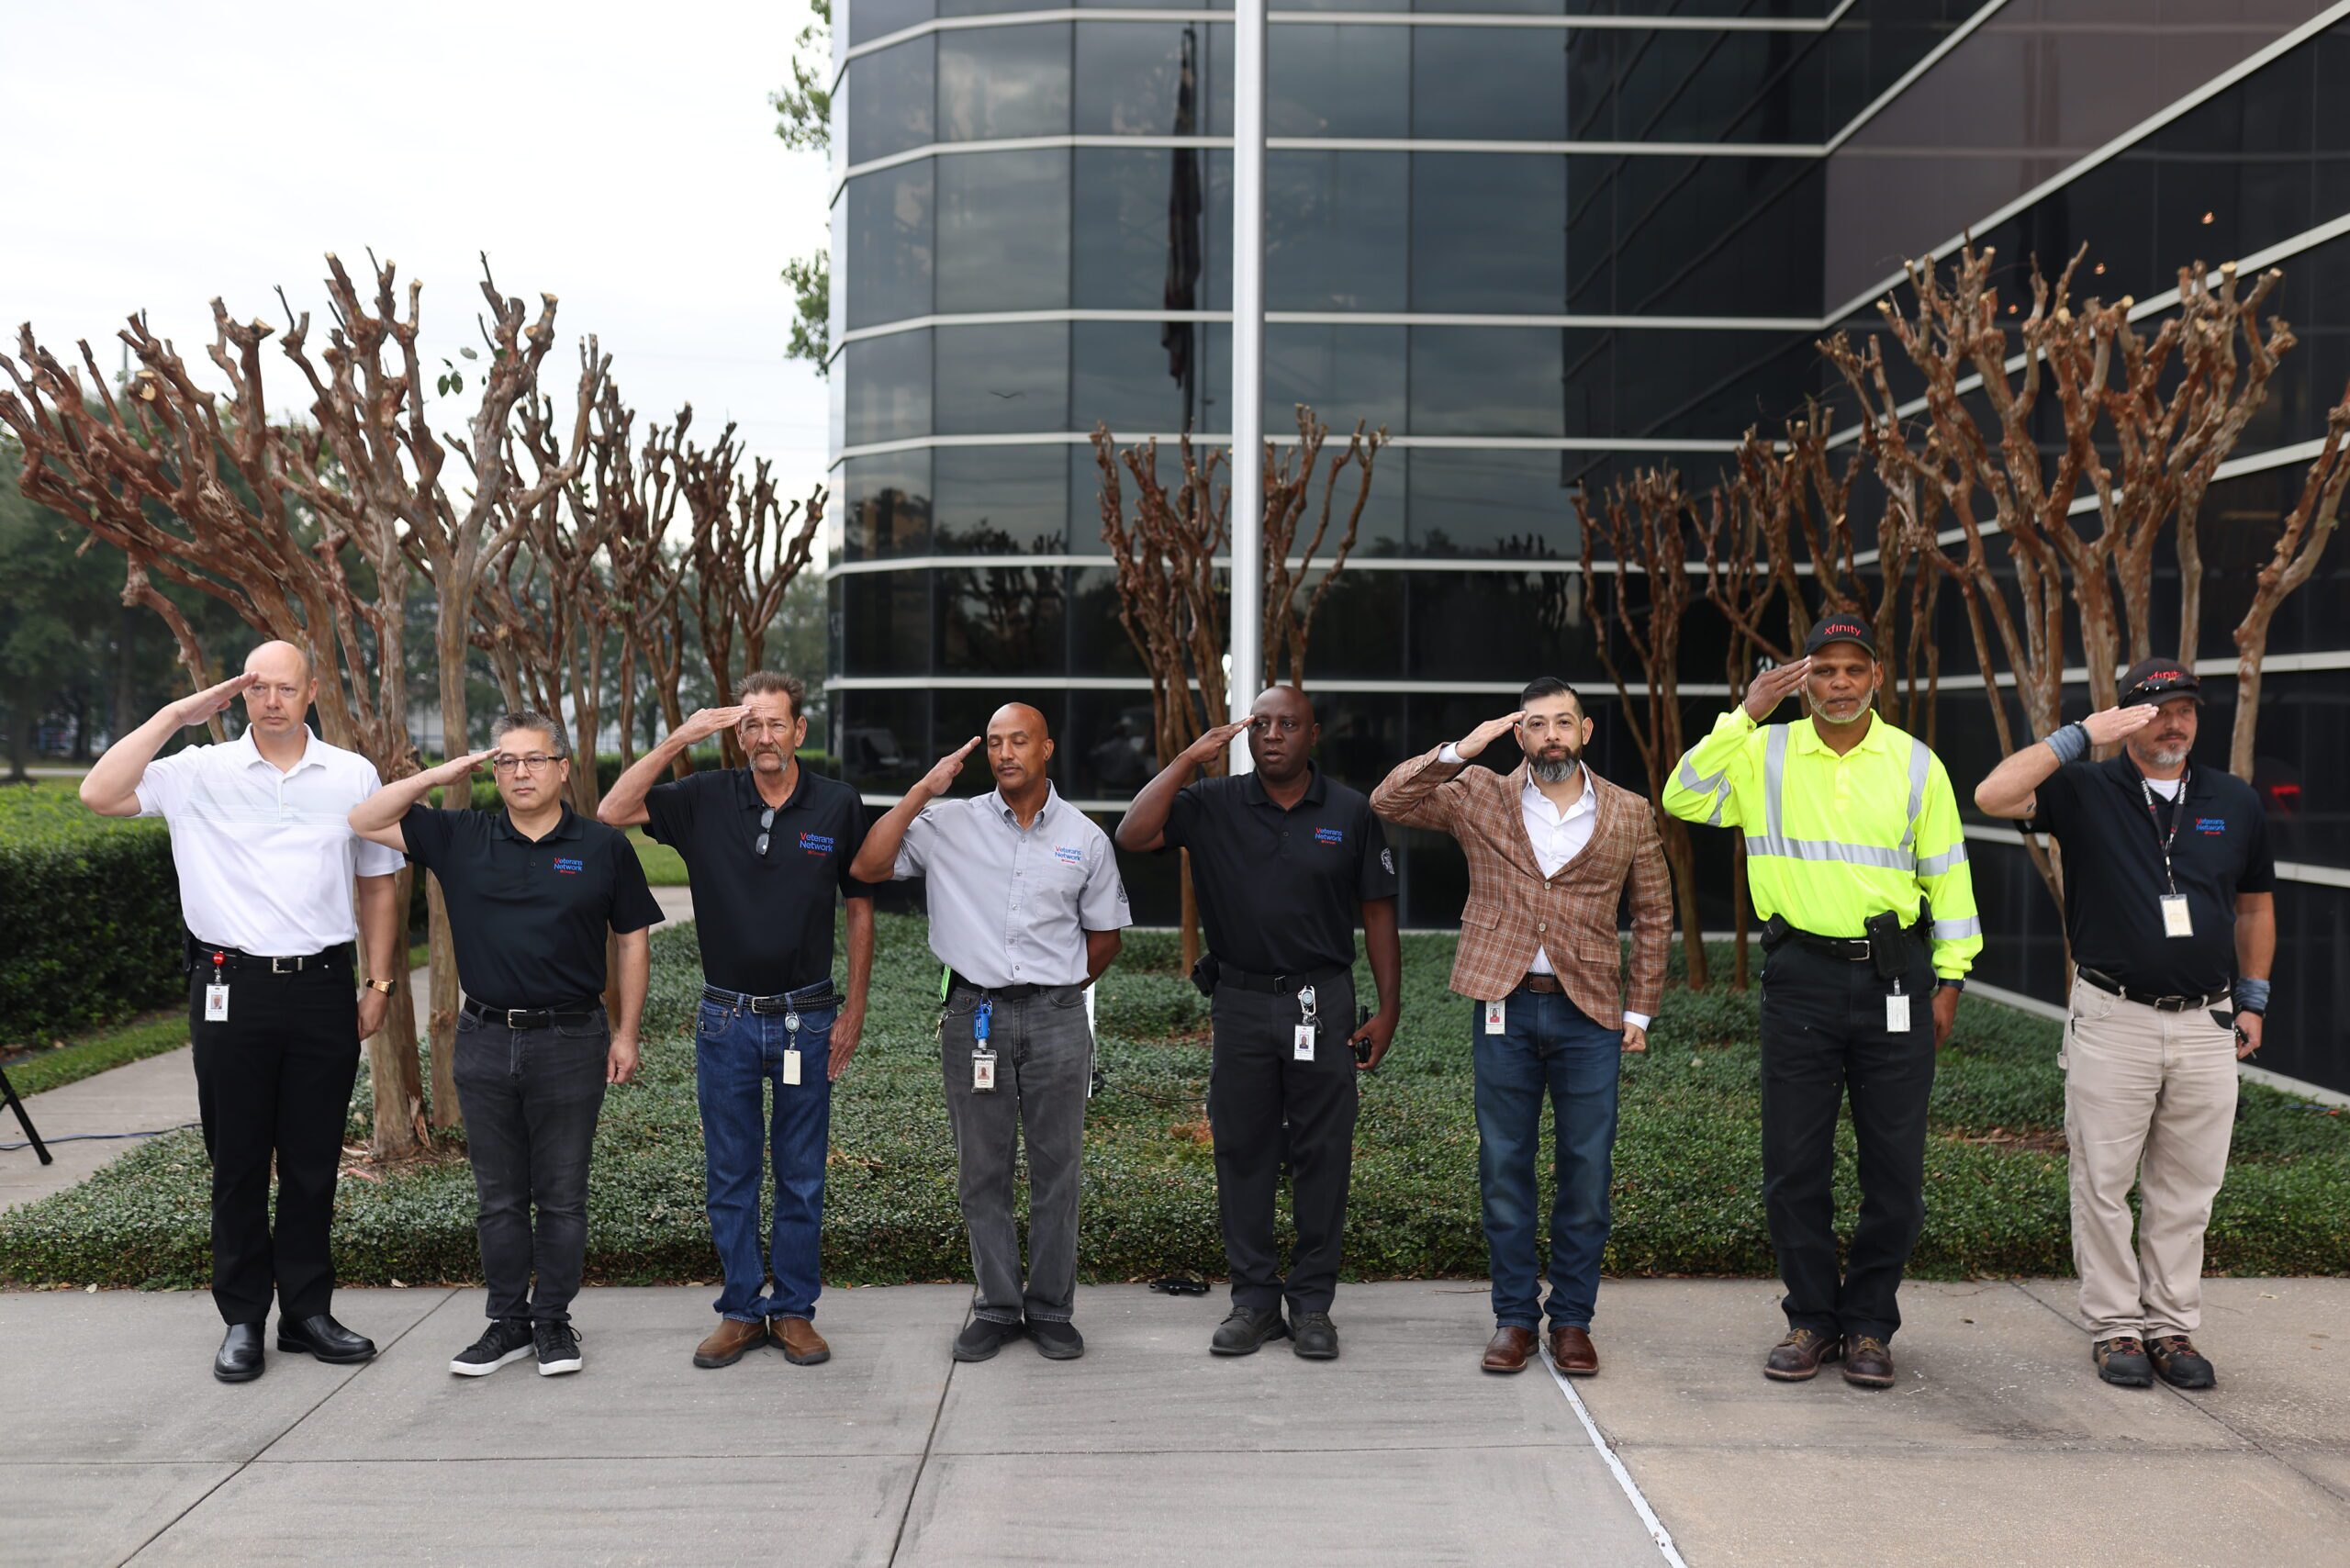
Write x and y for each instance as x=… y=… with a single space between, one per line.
x=1008 y=907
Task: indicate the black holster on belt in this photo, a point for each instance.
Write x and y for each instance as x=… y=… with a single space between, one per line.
x=1888 y=951
x=1776 y=930
x=1205 y=973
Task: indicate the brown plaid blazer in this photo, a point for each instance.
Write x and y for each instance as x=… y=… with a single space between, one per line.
x=1513 y=910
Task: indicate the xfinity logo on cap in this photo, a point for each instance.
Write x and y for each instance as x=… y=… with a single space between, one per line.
x=1844 y=628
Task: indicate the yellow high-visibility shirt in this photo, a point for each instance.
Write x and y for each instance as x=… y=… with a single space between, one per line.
x=1831 y=840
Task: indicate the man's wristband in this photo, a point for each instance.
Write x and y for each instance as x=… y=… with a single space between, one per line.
x=1956 y=982
x=2252 y=995
x=2070 y=744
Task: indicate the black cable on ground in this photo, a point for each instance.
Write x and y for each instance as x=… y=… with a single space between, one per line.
x=100 y=1137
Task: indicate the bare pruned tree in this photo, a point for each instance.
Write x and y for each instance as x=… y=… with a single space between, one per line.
x=2292 y=561
x=637 y=491
x=1647 y=524
x=1289 y=475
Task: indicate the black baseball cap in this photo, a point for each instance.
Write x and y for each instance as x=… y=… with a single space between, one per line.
x=1839 y=627
x=2158 y=680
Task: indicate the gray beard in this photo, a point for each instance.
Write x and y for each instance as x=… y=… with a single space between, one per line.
x=2161 y=757
x=1554 y=772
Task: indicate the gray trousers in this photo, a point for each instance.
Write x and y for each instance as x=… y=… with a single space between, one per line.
x=1044 y=1056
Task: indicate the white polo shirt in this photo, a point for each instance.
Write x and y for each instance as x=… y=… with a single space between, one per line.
x=266 y=858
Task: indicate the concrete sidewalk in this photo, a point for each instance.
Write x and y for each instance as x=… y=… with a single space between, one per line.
x=1998 y=1446
x=153 y=1095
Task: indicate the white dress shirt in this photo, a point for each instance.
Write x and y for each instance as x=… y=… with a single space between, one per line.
x=266 y=858
x=1557 y=837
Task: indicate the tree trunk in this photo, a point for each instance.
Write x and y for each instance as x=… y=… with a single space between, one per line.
x=398 y=1129
x=2252 y=646
x=21 y=723
x=1190 y=919
x=1680 y=859
x=449 y=640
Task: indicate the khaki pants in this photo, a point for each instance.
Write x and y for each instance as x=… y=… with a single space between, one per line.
x=2150 y=1098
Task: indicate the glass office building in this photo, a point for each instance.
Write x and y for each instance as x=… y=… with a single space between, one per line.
x=1537 y=243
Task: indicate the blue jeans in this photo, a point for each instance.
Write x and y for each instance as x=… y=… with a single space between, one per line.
x=736 y=1052
x=1548 y=1042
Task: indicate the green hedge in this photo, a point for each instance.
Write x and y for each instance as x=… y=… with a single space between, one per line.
x=1687 y=1166
x=89 y=917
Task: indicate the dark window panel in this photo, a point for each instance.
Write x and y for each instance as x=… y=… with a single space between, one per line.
x=882 y=739
x=1362 y=735
x=1110 y=754
x=1129 y=76
x=1123 y=375
x=1003 y=230
x=1501 y=8
x=1003 y=378
x=1489 y=83
x=1218 y=287
x=1342 y=6
x=891 y=93
x=1380 y=532
x=1003 y=82
x=886 y=382
x=1001 y=501
x=870 y=19
x=1672 y=85
x=885 y=624
x=890 y=244
x=1489 y=232
x=1098 y=642
x=1487 y=381
x=1492 y=503
x=1358 y=633
x=1002 y=619
x=1345 y=374
x=887 y=500
x=1133 y=204
x=1219 y=100
x=1714 y=236
x=1337 y=230
x=1339 y=80
x=1500 y=625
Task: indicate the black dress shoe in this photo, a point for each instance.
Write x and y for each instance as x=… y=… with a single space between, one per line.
x=323 y=1336
x=983 y=1338
x=1315 y=1337
x=240 y=1357
x=1244 y=1330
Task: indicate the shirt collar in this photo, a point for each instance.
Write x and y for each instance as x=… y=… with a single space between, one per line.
x=566 y=826
x=746 y=788
x=1807 y=737
x=250 y=749
x=1004 y=808
x=1252 y=787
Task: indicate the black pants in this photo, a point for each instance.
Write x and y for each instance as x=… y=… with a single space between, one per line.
x=273 y=1082
x=530 y=1098
x=1255 y=1084
x=1824 y=1037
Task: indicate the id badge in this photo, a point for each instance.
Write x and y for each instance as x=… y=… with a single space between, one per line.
x=792 y=1067
x=1496 y=1018
x=216 y=1005
x=1302 y=1042
x=2176 y=922
x=982 y=1072
x=1896 y=1013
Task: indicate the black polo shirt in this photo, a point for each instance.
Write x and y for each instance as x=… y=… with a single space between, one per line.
x=764 y=923
x=528 y=918
x=2113 y=872
x=1281 y=891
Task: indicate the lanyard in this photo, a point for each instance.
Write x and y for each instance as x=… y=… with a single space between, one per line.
x=2178 y=815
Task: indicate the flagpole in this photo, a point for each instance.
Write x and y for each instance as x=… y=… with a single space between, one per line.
x=1247 y=400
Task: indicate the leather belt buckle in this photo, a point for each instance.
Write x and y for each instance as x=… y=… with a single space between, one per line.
x=513 y=1016
x=285 y=965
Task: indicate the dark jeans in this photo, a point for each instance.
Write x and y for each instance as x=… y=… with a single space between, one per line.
x=1824 y=1037
x=736 y=1054
x=273 y=1082
x=1044 y=1056
x=1255 y=1084
x=531 y=1098
x=1548 y=1043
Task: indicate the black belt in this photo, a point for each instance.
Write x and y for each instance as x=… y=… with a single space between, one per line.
x=1853 y=949
x=2159 y=1004
x=1001 y=992
x=1279 y=985
x=531 y=1017
x=808 y=996
x=201 y=954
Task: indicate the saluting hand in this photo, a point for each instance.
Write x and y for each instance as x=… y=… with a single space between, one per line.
x=1211 y=744
x=458 y=768
x=195 y=710
x=943 y=771
x=2118 y=723
x=708 y=721
x=1474 y=742
x=1770 y=689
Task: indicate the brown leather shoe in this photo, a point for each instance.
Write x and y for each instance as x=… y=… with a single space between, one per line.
x=1508 y=1351
x=801 y=1344
x=1868 y=1362
x=1571 y=1349
x=730 y=1343
x=1796 y=1358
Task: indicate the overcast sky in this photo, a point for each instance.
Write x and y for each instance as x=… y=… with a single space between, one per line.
x=622 y=157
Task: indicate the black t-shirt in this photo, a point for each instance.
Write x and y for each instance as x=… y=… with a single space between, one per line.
x=764 y=923
x=2113 y=872
x=1281 y=891
x=528 y=918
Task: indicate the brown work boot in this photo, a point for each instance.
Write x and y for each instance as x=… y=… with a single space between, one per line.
x=1796 y=1358
x=1868 y=1361
x=729 y=1342
x=799 y=1340
x=1571 y=1349
x=1508 y=1351
x=2182 y=1366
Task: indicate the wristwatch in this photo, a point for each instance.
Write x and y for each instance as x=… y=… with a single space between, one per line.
x=385 y=986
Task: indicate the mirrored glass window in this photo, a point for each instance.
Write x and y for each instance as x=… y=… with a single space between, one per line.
x=1476 y=625
x=1339 y=80
x=1003 y=82
x=889 y=273
x=885 y=624
x=1003 y=230
x=1345 y=374
x=1490 y=84
x=1133 y=376
x=1013 y=377
x=1338 y=233
x=1098 y=642
x=1007 y=619
x=1001 y=501
x=1130 y=78
x=1492 y=503
x=1141 y=219
x=891 y=93
x=882 y=738
x=887 y=501
x=1489 y=233
x=886 y=382
x=1486 y=381
x=870 y=19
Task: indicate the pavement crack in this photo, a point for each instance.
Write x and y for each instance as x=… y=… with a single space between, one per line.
x=928 y=1442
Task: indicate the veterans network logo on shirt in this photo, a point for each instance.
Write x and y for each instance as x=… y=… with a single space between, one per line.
x=1068 y=855
x=1329 y=836
x=815 y=844
x=2211 y=825
x=566 y=866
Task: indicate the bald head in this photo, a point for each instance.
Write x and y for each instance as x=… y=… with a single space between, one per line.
x=281 y=692
x=1019 y=751
x=1282 y=733
x=1018 y=715
x=279 y=661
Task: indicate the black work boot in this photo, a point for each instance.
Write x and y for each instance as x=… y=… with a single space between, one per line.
x=1244 y=1330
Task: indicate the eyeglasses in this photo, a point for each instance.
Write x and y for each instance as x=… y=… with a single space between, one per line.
x=533 y=762
x=767 y=822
